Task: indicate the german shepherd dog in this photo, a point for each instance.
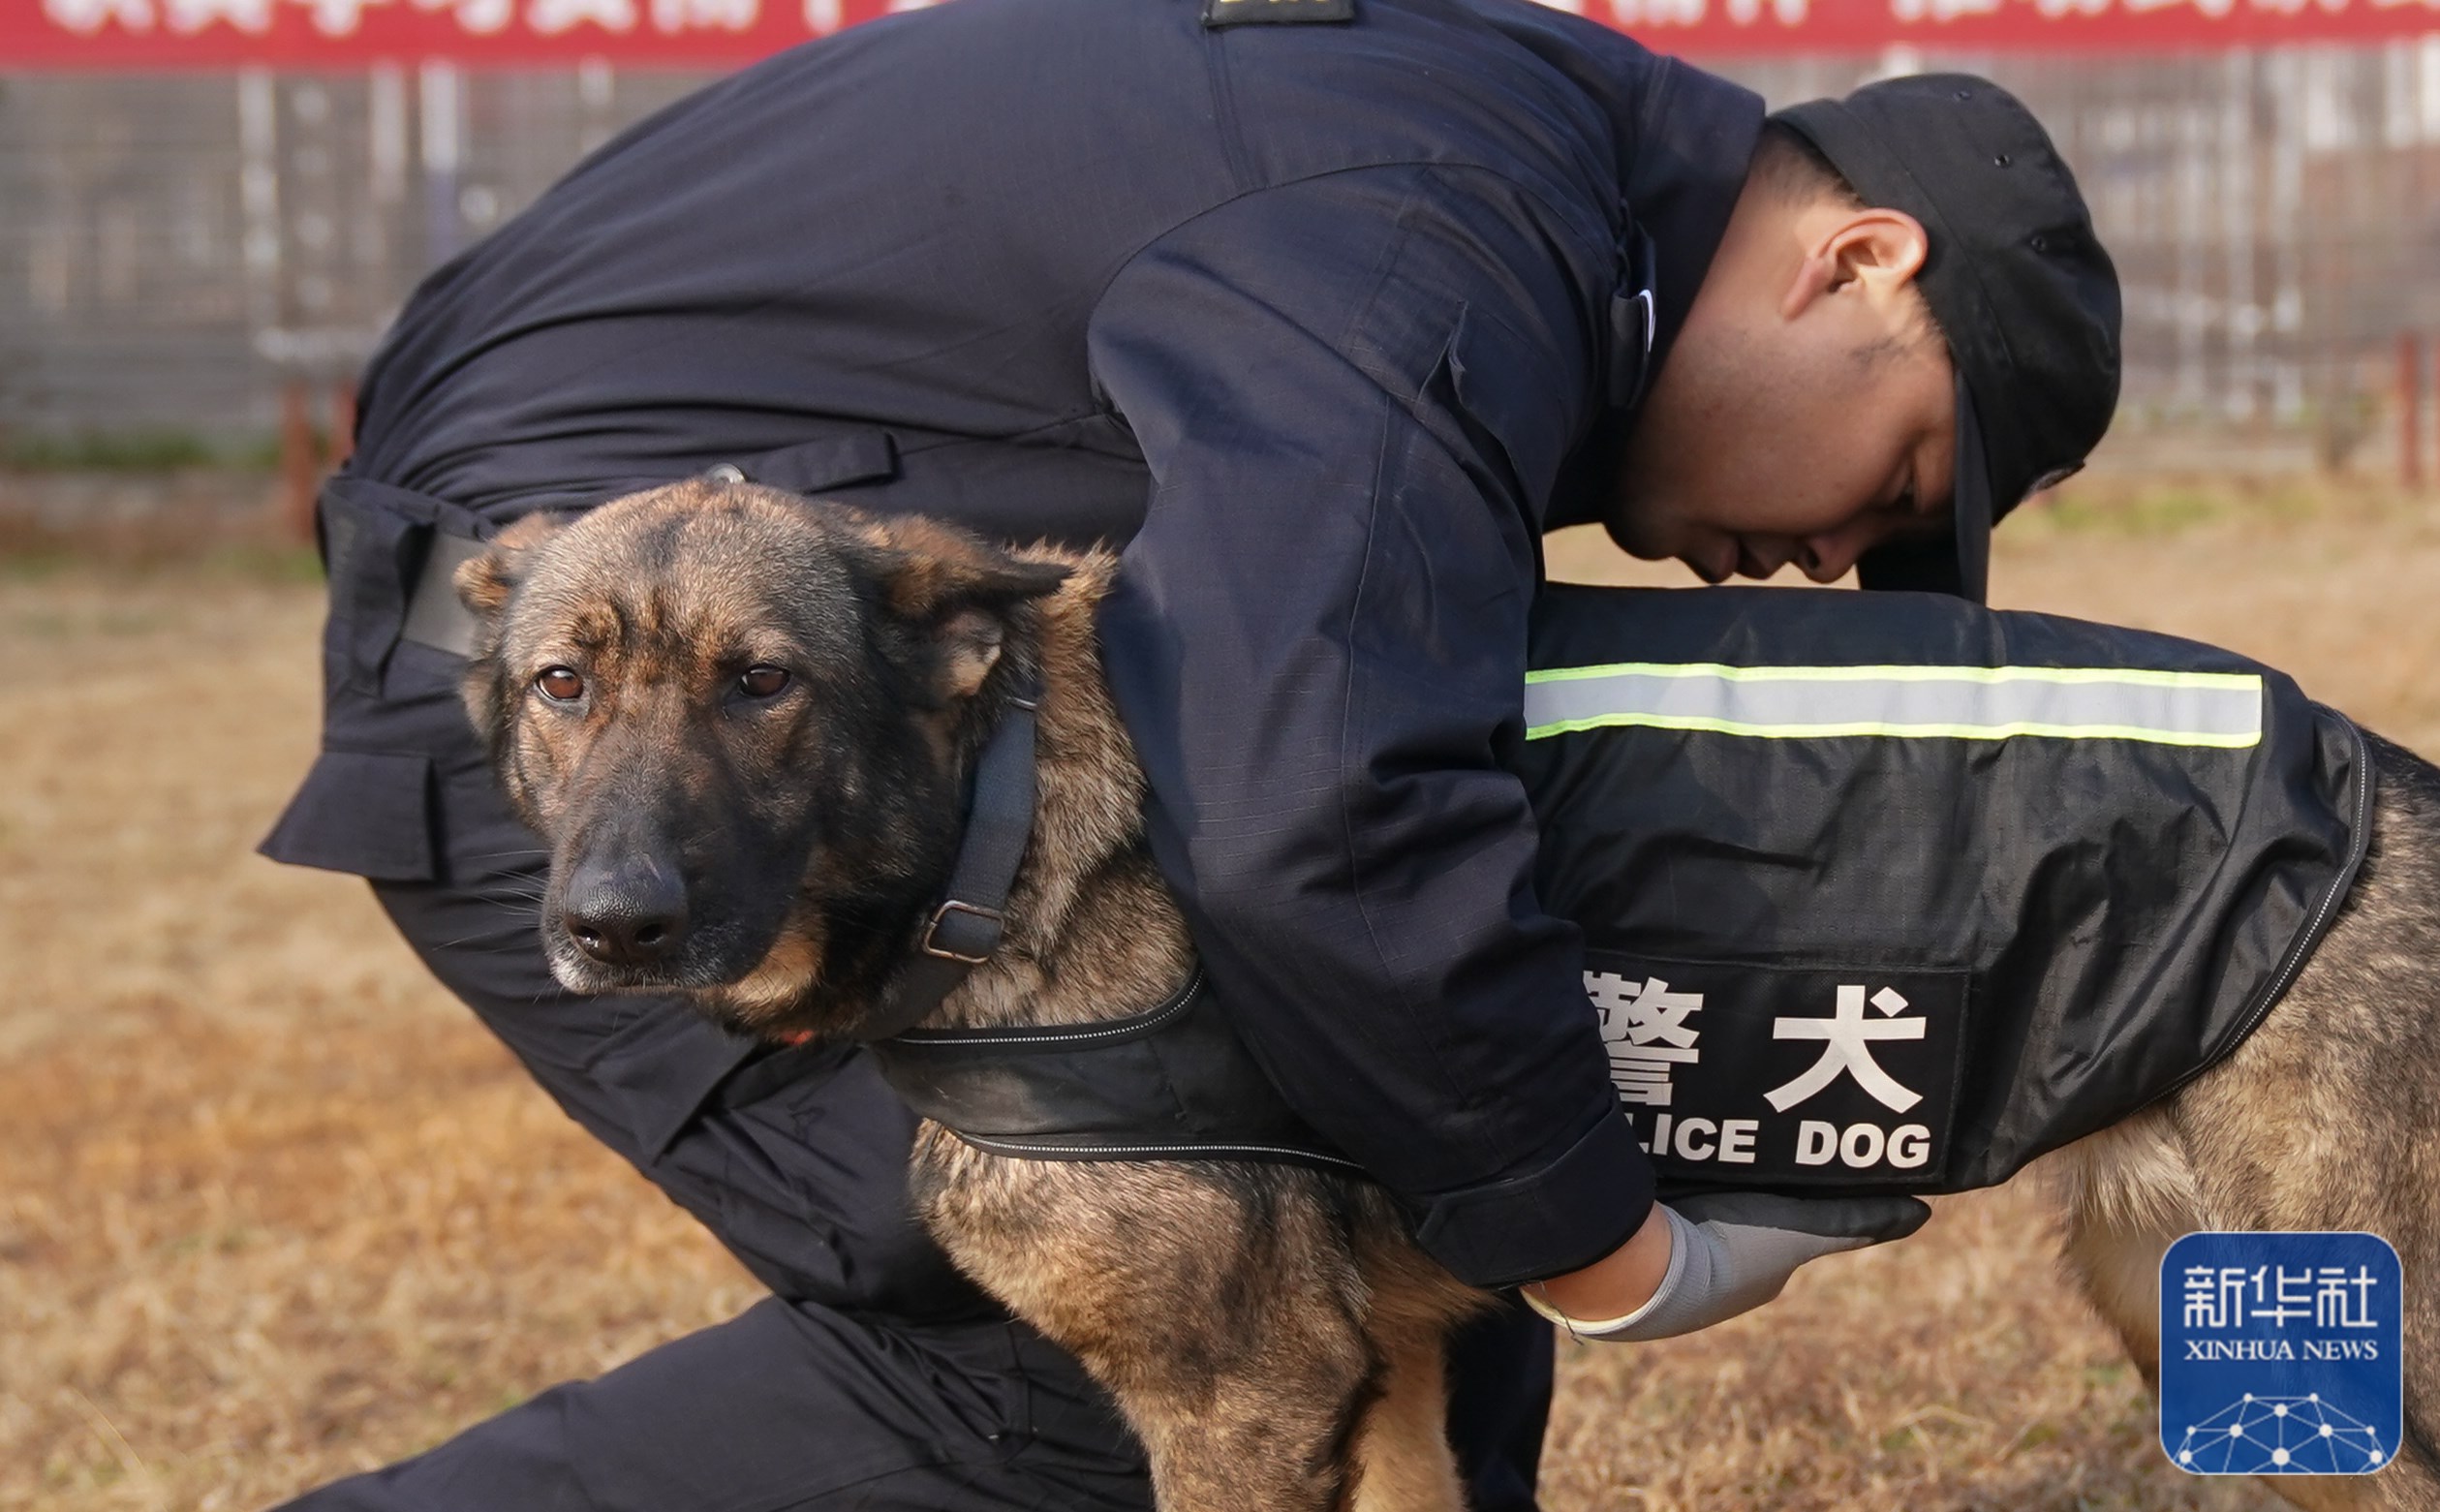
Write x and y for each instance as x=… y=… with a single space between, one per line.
x=743 y=722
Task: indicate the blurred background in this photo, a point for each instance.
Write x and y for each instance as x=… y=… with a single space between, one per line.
x=273 y=1208
x=196 y=257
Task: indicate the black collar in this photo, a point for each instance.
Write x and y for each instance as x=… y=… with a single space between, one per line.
x=1685 y=140
x=1694 y=139
x=966 y=928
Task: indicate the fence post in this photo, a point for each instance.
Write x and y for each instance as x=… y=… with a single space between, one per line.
x=300 y=460
x=2410 y=405
x=340 y=443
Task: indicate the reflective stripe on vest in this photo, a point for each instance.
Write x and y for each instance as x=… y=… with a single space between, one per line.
x=2222 y=709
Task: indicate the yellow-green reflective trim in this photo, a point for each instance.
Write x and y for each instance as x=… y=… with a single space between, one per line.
x=1896 y=732
x=2220 y=710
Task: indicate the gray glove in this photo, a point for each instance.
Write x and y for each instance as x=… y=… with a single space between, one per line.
x=1730 y=1253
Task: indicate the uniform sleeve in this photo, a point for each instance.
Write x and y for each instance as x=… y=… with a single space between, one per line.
x=1353 y=394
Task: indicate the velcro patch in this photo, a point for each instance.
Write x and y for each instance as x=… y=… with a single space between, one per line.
x=1746 y=1075
x=1275 y=13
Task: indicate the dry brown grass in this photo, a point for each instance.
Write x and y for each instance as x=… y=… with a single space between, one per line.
x=273 y=1208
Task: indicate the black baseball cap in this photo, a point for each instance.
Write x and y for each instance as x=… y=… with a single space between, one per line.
x=2017 y=279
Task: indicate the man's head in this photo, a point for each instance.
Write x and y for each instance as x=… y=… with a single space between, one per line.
x=1907 y=327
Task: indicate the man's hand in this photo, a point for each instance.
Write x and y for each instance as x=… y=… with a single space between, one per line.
x=1704 y=1259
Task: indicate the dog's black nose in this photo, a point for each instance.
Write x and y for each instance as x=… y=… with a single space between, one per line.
x=629 y=916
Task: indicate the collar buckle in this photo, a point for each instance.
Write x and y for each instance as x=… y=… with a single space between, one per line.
x=966 y=933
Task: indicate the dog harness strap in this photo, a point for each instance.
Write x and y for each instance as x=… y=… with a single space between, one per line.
x=1170 y=1083
x=965 y=929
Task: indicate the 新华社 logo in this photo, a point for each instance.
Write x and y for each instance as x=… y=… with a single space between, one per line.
x=2280 y=1353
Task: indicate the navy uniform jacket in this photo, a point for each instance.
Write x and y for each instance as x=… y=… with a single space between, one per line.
x=1326 y=321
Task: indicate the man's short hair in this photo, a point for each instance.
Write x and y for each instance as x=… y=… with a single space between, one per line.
x=1793 y=171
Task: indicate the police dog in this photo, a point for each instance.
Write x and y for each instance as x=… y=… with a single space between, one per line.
x=743 y=722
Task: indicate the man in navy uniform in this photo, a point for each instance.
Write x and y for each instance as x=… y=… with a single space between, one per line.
x=1327 y=310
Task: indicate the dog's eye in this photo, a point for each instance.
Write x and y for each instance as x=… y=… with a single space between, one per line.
x=762 y=682
x=560 y=684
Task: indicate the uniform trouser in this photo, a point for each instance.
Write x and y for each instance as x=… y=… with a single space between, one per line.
x=875 y=1376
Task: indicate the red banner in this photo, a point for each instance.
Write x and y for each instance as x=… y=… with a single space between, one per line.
x=725 y=33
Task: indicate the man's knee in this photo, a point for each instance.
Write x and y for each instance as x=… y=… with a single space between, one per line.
x=795 y=1406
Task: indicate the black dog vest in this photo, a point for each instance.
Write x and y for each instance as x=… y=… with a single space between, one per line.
x=1879 y=892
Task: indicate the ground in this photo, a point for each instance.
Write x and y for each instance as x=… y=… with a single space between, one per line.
x=273 y=1208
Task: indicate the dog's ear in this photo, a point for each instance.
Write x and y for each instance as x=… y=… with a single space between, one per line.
x=485 y=585
x=959 y=595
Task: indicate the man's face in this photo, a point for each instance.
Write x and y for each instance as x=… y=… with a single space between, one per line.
x=1807 y=412
x=1810 y=461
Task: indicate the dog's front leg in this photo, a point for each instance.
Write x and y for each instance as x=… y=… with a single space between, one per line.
x=1403 y=1461
x=1220 y=1305
x=1280 y=1440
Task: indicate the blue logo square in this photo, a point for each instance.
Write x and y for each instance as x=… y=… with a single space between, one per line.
x=2281 y=1354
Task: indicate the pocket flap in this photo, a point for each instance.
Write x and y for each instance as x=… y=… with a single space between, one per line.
x=367 y=813
x=864 y=456
x=662 y=1068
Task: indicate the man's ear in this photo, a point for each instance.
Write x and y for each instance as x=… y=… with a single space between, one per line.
x=1875 y=253
x=957 y=595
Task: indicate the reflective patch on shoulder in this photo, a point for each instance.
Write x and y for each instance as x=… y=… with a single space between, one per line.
x=2221 y=709
x=1275 y=13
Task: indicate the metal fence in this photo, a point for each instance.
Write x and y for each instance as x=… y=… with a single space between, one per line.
x=173 y=248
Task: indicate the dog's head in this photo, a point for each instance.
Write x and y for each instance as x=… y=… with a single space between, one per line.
x=741 y=720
